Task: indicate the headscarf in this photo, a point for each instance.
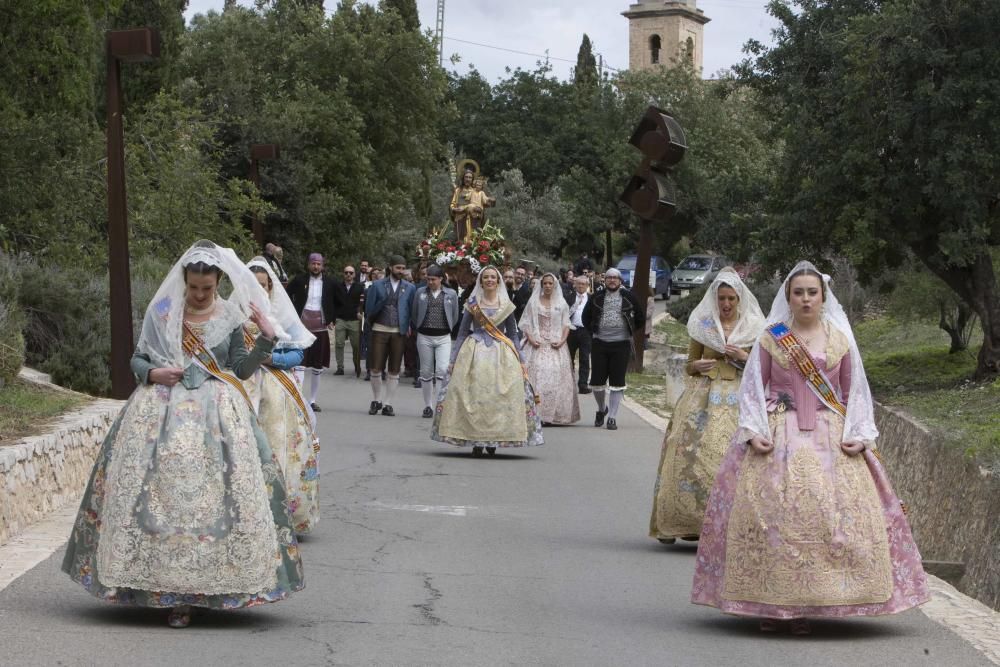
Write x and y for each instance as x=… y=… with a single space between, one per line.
x=291 y=333
x=316 y=257
x=506 y=305
x=705 y=325
x=162 y=327
x=560 y=309
x=859 y=425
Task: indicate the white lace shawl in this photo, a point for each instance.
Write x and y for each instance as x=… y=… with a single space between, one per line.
x=705 y=325
x=860 y=423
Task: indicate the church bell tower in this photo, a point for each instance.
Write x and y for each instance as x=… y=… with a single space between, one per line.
x=662 y=33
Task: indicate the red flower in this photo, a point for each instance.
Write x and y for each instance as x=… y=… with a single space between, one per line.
x=451 y=248
x=484 y=258
x=460 y=253
x=441 y=246
x=484 y=244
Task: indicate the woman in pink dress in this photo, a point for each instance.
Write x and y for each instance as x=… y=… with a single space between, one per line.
x=802 y=521
x=545 y=325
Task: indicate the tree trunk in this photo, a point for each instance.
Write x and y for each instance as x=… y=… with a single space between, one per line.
x=976 y=285
x=955 y=327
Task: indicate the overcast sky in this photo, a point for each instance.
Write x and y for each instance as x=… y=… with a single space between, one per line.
x=557 y=26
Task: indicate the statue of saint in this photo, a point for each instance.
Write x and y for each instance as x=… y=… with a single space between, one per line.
x=469 y=202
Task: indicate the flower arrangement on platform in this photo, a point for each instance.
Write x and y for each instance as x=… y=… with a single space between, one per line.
x=487 y=246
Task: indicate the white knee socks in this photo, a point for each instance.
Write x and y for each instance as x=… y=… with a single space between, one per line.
x=427 y=387
x=615 y=402
x=314 y=384
x=390 y=388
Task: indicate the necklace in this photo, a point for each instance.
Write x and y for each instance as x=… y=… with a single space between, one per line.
x=194 y=311
x=805 y=339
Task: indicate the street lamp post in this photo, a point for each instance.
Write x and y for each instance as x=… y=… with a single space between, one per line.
x=138 y=45
x=260 y=153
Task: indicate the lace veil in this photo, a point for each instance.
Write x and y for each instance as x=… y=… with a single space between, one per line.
x=705 y=325
x=288 y=327
x=162 y=325
x=560 y=309
x=860 y=423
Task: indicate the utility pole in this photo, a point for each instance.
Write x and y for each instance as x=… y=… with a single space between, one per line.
x=439 y=32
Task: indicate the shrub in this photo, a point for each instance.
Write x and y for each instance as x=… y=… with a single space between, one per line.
x=11 y=320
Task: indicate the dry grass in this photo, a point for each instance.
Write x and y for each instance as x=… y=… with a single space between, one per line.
x=26 y=409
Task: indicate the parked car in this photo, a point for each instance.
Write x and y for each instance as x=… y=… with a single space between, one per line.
x=695 y=271
x=659 y=274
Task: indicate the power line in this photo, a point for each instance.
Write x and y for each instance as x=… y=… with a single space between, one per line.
x=523 y=53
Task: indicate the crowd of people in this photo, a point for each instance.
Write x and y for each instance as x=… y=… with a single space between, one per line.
x=210 y=473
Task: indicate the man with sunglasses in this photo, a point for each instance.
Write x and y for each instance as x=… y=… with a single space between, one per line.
x=349 y=295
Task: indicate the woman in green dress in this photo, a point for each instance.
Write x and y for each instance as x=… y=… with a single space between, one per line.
x=186 y=504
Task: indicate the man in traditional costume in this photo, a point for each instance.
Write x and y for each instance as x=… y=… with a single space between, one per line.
x=434 y=314
x=314 y=296
x=579 y=341
x=387 y=306
x=613 y=316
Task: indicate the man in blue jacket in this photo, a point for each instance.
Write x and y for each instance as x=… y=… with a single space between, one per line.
x=387 y=307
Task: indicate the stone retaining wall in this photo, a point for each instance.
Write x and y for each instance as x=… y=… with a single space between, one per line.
x=954 y=503
x=42 y=473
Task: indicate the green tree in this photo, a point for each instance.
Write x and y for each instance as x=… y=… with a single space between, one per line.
x=407 y=11
x=585 y=72
x=890 y=114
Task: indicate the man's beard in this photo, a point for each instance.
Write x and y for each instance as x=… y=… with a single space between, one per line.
x=316 y=274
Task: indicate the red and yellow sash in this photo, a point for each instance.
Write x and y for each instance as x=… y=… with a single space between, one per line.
x=815 y=379
x=203 y=357
x=287 y=383
x=487 y=324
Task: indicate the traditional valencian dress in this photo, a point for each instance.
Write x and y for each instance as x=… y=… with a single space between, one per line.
x=806 y=530
x=550 y=370
x=706 y=414
x=186 y=504
x=282 y=412
x=487 y=401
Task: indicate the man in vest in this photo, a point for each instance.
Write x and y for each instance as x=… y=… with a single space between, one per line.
x=434 y=314
x=387 y=307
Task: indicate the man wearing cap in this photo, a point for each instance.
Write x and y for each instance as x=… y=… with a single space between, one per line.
x=612 y=315
x=387 y=306
x=433 y=314
x=314 y=296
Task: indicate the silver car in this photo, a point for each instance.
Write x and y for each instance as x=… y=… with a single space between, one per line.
x=695 y=271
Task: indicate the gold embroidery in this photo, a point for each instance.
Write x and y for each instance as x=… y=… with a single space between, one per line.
x=807 y=527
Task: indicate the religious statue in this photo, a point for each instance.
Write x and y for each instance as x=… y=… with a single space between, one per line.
x=469 y=201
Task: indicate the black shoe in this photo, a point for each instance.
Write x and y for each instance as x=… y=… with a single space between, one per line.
x=315 y=407
x=599 y=418
x=368 y=376
x=428 y=413
x=339 y=371
x=374 y=408
x=388 y=411
x=612 y=424
x=477 y=452
x=416 y=383
x=586 y=390
x=492 y=451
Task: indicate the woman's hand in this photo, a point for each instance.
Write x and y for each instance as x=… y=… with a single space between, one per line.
x=736 y=353
x=258 y=317
x=451 y=367
x=760 y=445
x=168 y=376
x=534 y=343
x=557 y=344
x=703 y=365
x=852 y=448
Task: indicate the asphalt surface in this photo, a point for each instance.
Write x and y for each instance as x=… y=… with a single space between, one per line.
x=424 y=555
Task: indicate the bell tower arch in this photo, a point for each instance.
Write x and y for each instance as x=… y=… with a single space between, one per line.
x=665 y=32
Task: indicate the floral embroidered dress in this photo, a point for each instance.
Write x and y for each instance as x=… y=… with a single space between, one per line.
x=186 y=503
x=486 y=400
x=285 y=419
x=702 y=424
x=806 y=530
x=550 y=370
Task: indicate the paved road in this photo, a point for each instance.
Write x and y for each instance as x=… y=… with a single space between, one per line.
x=426 y=556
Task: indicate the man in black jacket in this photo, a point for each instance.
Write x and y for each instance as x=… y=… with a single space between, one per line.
x=348 y=292
x=314 y=296
x=612 y=316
